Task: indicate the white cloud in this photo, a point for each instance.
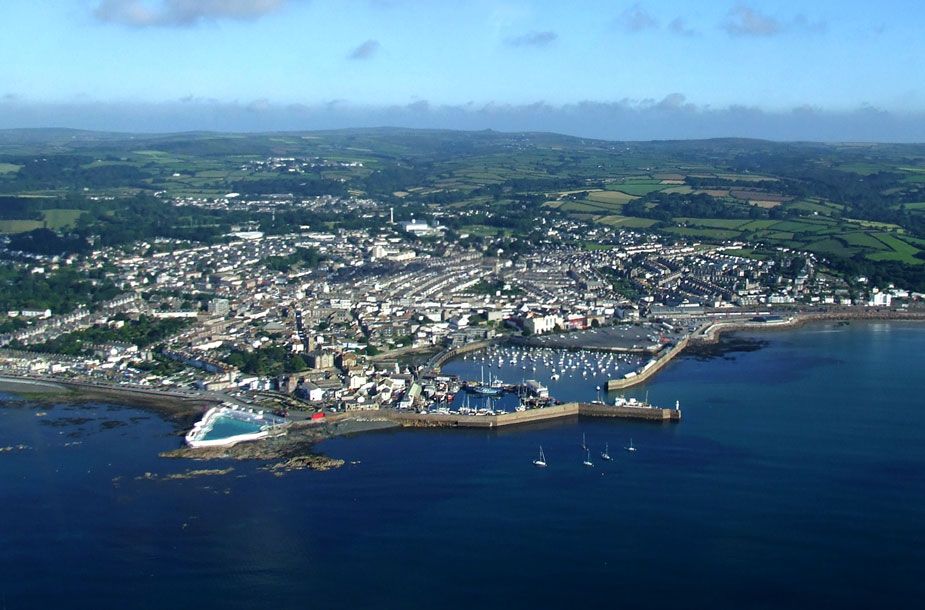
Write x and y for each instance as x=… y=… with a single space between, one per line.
x=742 y=20
x=636 y=19
x=679 y=26
x=533 y=39
x=746 y=21
x=365 y=50
x=167 y=13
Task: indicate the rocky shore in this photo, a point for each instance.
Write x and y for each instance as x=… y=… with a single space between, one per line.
x=283 y=454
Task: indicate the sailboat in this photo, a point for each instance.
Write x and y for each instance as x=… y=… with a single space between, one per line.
x=606 y=454
x=540 y=461
x=587 y=462
x=631 y=448
x=584 y=441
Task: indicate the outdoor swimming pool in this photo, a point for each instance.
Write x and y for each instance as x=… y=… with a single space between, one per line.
x=226 y=425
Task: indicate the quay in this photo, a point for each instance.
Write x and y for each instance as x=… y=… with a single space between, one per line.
x=570 y=409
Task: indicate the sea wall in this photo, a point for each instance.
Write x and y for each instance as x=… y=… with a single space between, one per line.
x=712 y=332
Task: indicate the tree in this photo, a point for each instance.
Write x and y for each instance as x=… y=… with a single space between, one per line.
x=297 y=364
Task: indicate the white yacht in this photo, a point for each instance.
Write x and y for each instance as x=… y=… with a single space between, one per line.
x=540 y=461
x=587 y=461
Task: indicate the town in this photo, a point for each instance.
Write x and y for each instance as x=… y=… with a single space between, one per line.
x=326 y=320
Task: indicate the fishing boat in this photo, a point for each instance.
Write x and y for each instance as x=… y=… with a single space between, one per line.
x=605 y=455
x=587 y=461
x=540 y=462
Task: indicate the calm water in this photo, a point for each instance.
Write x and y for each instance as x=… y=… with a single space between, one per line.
x=797 y=479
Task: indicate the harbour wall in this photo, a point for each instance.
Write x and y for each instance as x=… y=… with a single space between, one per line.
x=445 y=356
x=644 y=375
x=570 y=409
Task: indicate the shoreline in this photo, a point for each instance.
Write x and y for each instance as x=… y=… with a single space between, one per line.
x=170 y=405
x=295 y=450
x=712 y=333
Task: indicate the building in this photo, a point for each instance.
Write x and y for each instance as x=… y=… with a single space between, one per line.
x=321 y=360
x=219 y=307
x=538 y=325
x=417 y=227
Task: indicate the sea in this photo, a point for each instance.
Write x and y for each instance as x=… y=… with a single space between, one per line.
x=796 y=479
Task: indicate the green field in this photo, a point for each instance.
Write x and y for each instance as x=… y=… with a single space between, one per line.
x=637 y=187
x=756 y=225
x=587 y=207
x=900 y=251
x=615 y=197
x=830 y=247
x=720 y=234
x=61 y=218
x=678 y=189
x=9 y=168
x=483 y=230
x=629 y=222
x=714 y=223
x=19 y=226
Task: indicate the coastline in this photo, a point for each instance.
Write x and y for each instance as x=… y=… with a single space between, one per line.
x=295 y=450
x=712 y=333
x=170 y=405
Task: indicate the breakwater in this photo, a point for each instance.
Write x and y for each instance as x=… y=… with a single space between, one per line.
x=650 y=369
x=570 y=409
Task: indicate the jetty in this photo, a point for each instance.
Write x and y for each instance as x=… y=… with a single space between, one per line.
x=569 y=409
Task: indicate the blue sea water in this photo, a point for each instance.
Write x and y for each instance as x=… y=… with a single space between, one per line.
x=795 y=480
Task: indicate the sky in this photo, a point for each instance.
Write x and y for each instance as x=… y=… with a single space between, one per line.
x=847 y=70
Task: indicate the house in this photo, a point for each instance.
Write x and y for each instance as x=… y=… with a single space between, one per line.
x=309 y=391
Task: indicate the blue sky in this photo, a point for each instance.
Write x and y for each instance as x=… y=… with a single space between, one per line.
x=769 y=68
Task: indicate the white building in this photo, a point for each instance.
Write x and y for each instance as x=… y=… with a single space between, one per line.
x=538 y=325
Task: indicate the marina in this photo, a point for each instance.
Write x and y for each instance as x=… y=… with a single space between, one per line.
x=512 y=364
x=507 y=385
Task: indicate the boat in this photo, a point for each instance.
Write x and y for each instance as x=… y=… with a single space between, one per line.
x=540 y=462
x=605 y=455
x=491 y=389
x=630 y=448
x=584 y=441
x=587 y=461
